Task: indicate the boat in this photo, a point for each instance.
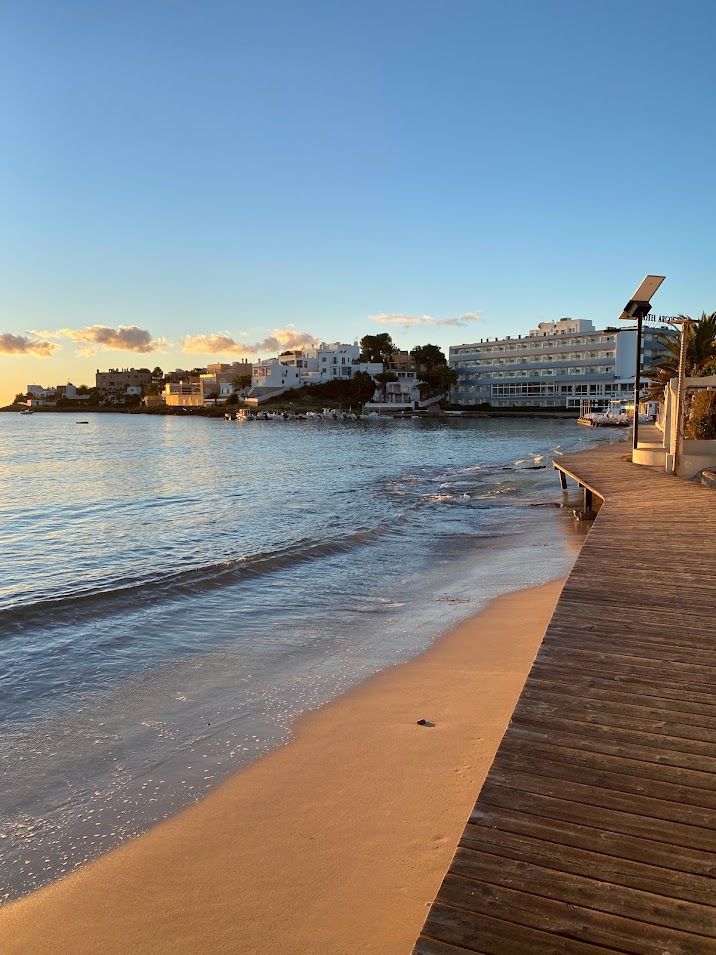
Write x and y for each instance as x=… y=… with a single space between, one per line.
x=26 y=411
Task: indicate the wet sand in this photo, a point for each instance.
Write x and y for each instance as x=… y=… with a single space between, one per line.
x=332 y=845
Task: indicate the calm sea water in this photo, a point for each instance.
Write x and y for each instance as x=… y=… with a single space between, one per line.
x=175 y=591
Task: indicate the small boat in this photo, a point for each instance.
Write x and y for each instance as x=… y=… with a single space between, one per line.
x=26 y=411
x=81 y=422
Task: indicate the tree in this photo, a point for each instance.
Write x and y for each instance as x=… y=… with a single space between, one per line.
x=443 y=378
x=700 y=351
x=157 y=374
x=379 y=347
x=428 y=357
x=383 y=378
x=241 y=382
x=364 y=386
x=19 y=398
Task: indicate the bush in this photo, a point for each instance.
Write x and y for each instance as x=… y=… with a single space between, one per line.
x=358 y=389
x=701 y=423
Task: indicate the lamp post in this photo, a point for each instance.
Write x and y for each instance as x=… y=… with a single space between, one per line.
x=638 y=307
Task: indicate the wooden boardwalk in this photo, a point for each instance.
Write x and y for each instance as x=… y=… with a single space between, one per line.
x=595 y=830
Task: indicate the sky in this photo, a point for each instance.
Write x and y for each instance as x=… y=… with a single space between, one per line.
x=183 y=183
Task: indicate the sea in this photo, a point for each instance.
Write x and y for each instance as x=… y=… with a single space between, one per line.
x=174 y=591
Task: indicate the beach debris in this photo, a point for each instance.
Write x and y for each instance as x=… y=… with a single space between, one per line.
x=425 y=723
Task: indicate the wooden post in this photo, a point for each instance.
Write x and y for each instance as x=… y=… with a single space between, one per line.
x=588 y=499
x=562 y=479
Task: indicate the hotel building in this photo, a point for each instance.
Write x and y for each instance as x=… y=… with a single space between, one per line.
x=558 y=365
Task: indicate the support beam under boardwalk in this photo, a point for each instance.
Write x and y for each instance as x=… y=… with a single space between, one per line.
x=595 y=830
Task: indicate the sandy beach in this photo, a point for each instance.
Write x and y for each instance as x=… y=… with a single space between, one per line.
x=335 y=843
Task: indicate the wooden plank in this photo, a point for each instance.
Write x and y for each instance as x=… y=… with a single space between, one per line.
x=604 y=840
x=643 y=676
x=559 y=886
x=562 y=808
x=655 y=646
x=575 y=699
x=605 y=754
x=428 y=946
x=595 y=864
x=564 y=671
x=697 y=807
x=690 y=738
x=475 y=930
x=597 y=822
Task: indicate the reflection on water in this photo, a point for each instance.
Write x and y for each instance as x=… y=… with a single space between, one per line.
x=176 y=591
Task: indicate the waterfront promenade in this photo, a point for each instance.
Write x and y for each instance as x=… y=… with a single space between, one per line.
x=596 y=827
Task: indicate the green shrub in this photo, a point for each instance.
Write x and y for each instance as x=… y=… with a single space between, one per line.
x=701 y=423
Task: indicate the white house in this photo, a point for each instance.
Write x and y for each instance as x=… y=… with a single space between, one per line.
x=271 y=378
x=328 y=361
x=400 y=395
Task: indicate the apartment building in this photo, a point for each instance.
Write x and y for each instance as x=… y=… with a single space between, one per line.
x=558 y=365
x=118 y=380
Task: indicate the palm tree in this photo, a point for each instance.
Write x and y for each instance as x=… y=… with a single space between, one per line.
x=700 y=350
x=241 y=382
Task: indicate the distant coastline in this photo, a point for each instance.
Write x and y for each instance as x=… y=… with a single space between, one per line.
x=547 y=413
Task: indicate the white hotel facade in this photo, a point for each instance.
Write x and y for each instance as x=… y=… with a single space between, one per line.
x=558 y=365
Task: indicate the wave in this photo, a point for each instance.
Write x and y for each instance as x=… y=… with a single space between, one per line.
x=126 y=594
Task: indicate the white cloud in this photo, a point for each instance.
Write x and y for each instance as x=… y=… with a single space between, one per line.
x=407 y=321
x=22 y=345
x=221 y=343
x=96 y=338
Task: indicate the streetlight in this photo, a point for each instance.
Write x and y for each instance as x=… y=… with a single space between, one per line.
x=638 y=307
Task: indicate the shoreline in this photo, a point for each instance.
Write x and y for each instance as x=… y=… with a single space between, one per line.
x=556 y=414
x=336 y=842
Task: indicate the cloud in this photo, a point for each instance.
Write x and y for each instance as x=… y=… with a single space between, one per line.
x=22 y=345
x=221 y=343
x=409 y=320
x=96 y=338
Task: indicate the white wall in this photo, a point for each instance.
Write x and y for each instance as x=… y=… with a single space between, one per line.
x=272 y=374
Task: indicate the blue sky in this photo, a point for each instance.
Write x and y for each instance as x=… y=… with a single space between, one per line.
x=231 y=169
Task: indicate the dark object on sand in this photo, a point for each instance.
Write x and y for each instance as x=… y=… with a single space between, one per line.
x=425 y=723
